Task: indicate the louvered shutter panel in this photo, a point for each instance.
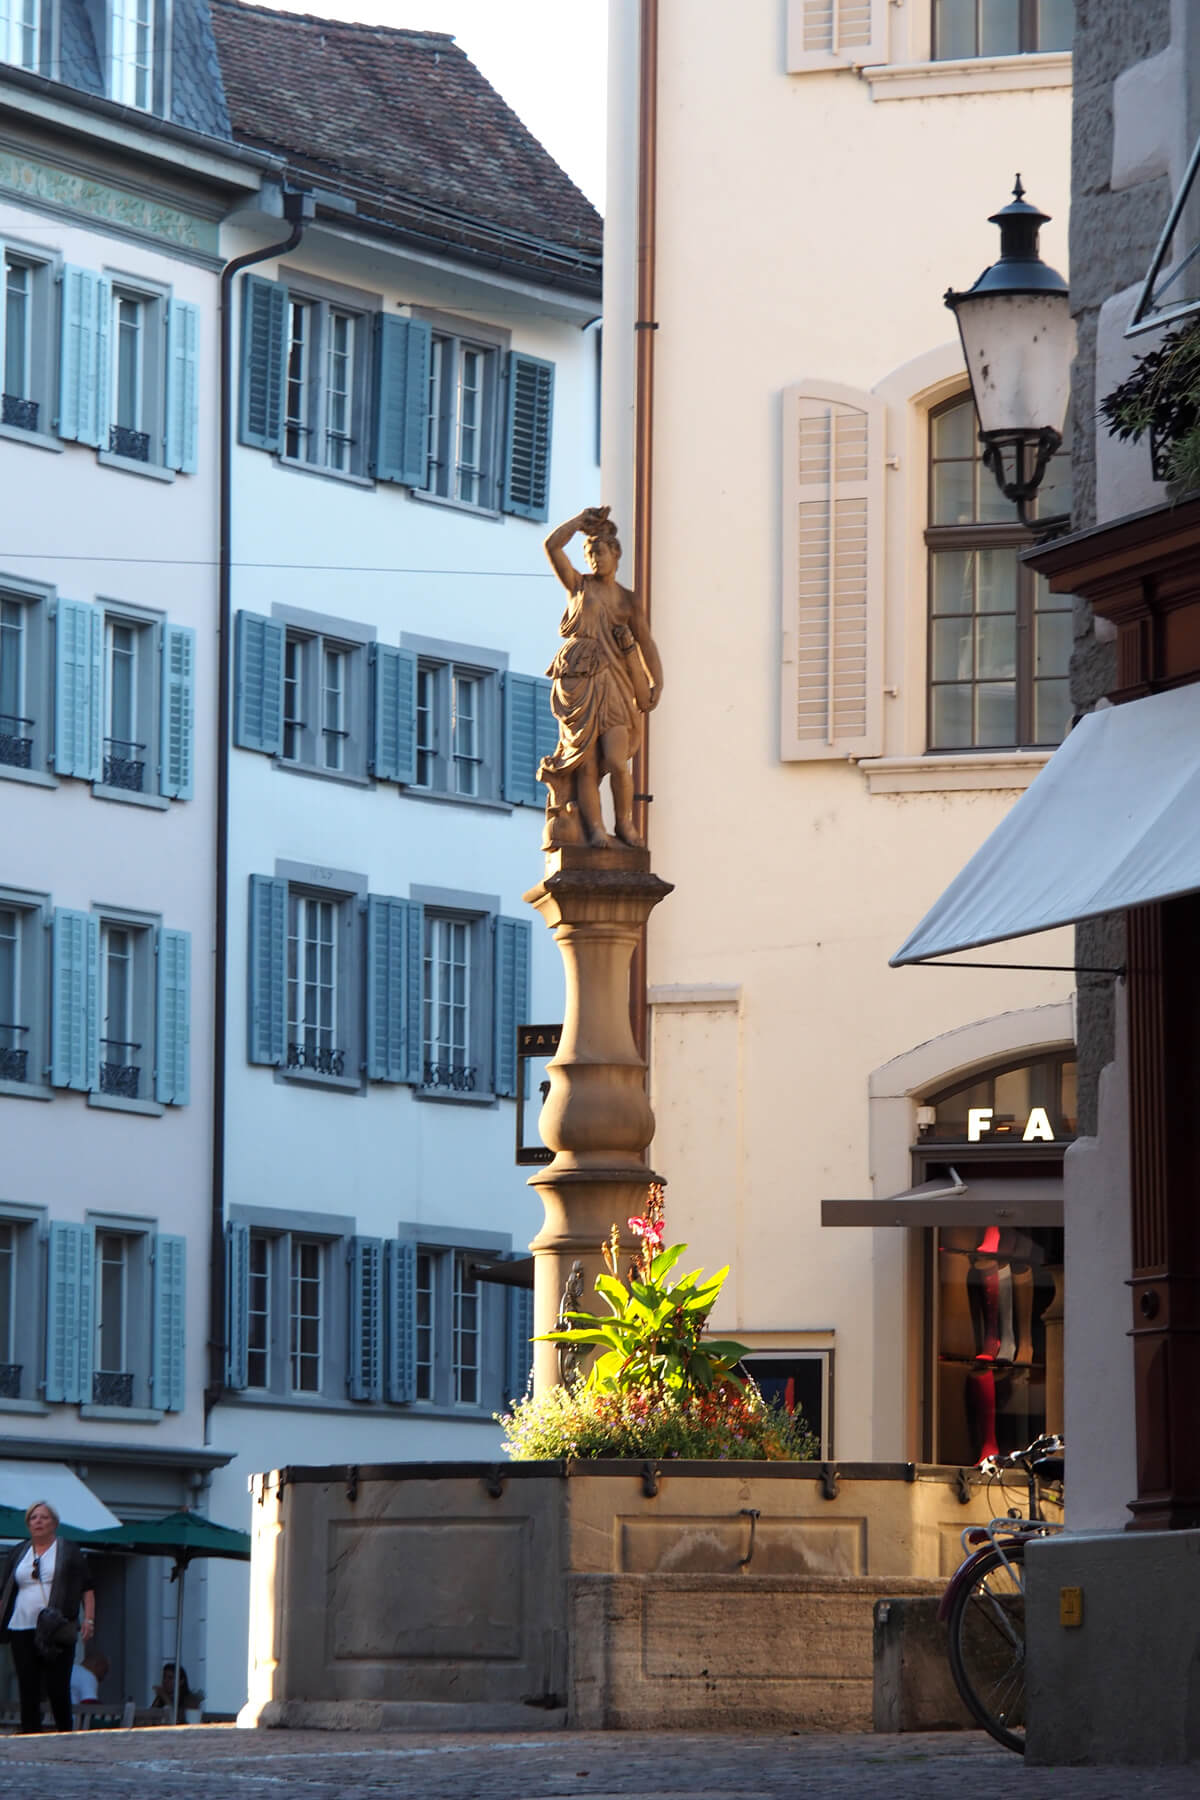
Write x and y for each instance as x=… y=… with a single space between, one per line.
x=78 y=703
x=400 y=443
x=519 y=1361
x=414 y=977
x=401 y=1274
x=104 y=367
x=69 y=1277
x=394 y=713
x=172 y=1060
x=264 y=334
x=82 y=373
x=510 y=999
x=836 y=34
x=258 y=683
x=365 y=1361
x=266 y=958
x=526 y=486
x=75 y=959
x=170 y=1306
x=237 y=1305
x=545 y=728
x=177 y=748
x=832 y=638
x=521 y=786
x=183 y=385
x=387 y=956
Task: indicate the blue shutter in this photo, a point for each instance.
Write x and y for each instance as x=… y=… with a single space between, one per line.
x=520 y=741
x=258 y=684
x=401 y=1269
x=75 y=1049
x=177 y=746
x=82 y=370
x=526 y=486
x=264 y=349
x=69 y=1314
x=387 y=986
x=519 y=1361
x=237 y=1305
x=266 y=958
x=78 y=705
x=170 y=1310
x=394 y=713
x=172 y=1017
x=400 y=447
x=183 y=365
x=545 y=726
x=414 y=980
x=365 y=1379
x=513 y=938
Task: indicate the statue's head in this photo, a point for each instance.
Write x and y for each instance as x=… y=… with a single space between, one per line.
x=603 y=549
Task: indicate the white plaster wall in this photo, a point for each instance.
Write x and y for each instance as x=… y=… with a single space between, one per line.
x=97 y=532
x=805 y=230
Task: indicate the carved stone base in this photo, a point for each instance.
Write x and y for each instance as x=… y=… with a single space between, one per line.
x=596 y=1118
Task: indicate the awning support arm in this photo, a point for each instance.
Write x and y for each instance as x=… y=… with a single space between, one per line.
x=1049 y=968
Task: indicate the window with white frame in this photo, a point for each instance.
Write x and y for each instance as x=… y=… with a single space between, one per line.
x=26 y=339
x=325 y=385
x=324 y=703
x=463 y=443
x=427 y=1324
x=130 y=703
x=137 y=351
x=449 y=1033
x=126 y=1009
x=23 y=991
x=26 y=681
x=999 y=641
x=305 y=1314
x=20 y=1311
x=8 y=1304
x=314 y=1040
x=122 y=1319
x=465 y=1364
x=963 y=29
x=20 y=32
x=458 y=730
x=131 y=52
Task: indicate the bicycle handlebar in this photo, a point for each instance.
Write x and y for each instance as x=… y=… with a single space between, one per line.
x=1046 y=1445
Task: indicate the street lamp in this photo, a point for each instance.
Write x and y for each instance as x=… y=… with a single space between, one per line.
x=1018 y=338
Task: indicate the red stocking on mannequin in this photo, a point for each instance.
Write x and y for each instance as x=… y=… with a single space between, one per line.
x=981 y=1412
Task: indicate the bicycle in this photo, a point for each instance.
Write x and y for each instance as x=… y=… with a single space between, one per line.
x=984 y=1604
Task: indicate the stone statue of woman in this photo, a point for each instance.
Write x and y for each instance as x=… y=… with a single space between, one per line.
x=606 y=674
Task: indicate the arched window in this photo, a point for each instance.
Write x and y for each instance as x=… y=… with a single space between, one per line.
x=999 y=641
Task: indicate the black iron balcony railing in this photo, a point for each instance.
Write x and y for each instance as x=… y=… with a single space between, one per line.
x=321 y=1059
x=110 y=1389
x=124 y=441
x=14 y=1062
x=122 y=770
x=10 y=1381
x=119 y=1074
x=455 y=1077
x=16 y=745
x=16 y=411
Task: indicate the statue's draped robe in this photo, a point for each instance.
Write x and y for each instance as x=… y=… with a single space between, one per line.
x=594 y=676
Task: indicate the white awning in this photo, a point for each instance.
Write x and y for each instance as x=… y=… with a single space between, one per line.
x=21 y=1483
x=1112 y=821
x=982 y=1200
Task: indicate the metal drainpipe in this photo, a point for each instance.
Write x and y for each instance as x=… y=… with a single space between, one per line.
x=645 y=326
x=298 y=209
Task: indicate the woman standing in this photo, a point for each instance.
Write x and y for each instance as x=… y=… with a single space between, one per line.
x=45 y=1571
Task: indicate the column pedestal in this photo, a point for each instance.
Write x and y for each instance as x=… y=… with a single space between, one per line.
x=596 y=1118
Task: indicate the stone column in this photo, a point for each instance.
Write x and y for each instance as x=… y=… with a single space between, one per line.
x=596 y=1118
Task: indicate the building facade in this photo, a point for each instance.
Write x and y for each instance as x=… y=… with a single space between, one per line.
x=116 y=167
x=860 y=679
x=416 y=393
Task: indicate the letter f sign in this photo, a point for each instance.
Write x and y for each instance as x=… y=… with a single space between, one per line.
x=979 y=1120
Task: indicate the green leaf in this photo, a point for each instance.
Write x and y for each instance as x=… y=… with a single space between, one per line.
x=666 y=1259
x=728 y=1349
x=614 y=1291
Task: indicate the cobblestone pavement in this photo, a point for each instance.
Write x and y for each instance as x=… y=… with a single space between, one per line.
x=221 y=1763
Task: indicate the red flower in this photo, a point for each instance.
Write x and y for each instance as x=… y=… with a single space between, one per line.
x=650 y=1229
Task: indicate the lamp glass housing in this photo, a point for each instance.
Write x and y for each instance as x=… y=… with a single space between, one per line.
x=1018 y=350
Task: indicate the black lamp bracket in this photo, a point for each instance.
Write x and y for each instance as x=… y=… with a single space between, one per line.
x=1030 y=454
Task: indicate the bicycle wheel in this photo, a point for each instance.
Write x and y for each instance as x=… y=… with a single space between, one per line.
x=987 y=1644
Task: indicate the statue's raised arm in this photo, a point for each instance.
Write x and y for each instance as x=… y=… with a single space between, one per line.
x=605 y=675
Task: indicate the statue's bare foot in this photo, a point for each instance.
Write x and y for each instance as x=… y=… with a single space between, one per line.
x=600 y=840
x=628 y=835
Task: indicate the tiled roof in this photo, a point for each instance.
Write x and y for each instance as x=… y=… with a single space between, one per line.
x=404 y=123
x=196 y=98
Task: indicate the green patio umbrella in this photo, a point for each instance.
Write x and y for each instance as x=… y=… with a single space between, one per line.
x=181 y=1536
x=12 y=1525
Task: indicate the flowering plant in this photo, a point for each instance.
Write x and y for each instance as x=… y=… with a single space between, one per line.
x=657 y=1386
